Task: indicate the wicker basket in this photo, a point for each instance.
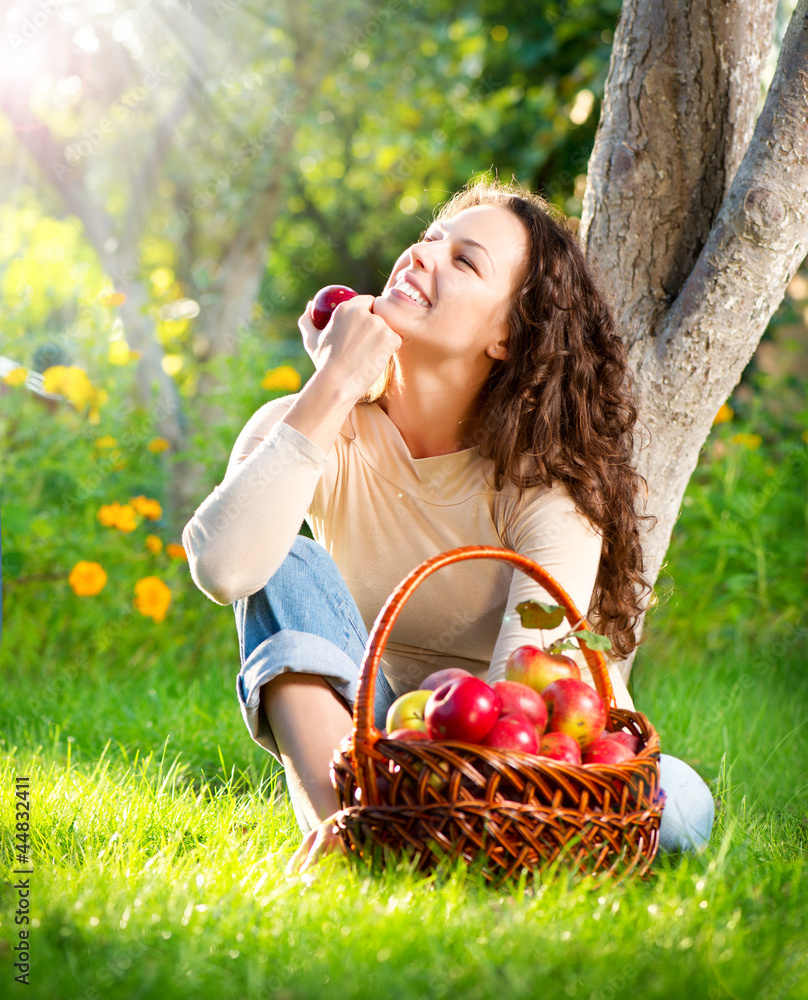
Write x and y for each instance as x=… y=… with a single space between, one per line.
x=508 y=811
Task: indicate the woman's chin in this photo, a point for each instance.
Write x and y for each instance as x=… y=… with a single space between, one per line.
x=391 y=312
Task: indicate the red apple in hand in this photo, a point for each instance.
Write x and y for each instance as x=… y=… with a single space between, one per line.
x=559 y=746
x=326 y=301
x=575 y=709
x=465 y=709
x=407 y=712
x=434 y=681
x=532 y=666
x=513 y=732
x=519 y=699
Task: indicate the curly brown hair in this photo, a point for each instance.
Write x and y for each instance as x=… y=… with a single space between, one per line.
x=562 y=406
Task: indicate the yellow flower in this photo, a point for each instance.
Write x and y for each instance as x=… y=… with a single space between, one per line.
x=285 y=379
x=152 y=597
x=107 y=441
x=70 y=382
x=176 y=551
x=116 y=515
x=157 y=445
x=724 y=415
x=120 y=353
x=805 y=436
x=87 y=578
x=16 y=376
x=111 y=298
x=751 y=441
x=148 y=508
x=154 y=544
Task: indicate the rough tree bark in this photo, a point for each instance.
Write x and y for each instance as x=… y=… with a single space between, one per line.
x=695 y=215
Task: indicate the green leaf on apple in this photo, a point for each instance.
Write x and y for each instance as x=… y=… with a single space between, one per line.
x=593 y=640
x=536 y=614
x=560 y=645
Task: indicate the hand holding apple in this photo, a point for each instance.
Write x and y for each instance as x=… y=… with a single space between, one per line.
x=326 y=301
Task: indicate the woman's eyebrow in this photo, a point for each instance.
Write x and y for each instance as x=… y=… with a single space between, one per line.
x=467 y=241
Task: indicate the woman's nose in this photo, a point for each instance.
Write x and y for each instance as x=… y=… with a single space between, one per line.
x=420 y=256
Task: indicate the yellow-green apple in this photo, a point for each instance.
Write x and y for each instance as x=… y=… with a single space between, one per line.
x=532 y=666
x=519 y=699
x=439 y=677
x=513 y=732
x=576 y=709
x=407 y=712
x=464 y=709
x=606 y=750
x=326 y=301
x=559 y=746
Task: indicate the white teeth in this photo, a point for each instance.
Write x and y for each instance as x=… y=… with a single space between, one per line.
x=404 y=286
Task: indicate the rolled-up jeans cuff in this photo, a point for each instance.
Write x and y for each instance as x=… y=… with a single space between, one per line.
x=290 y=652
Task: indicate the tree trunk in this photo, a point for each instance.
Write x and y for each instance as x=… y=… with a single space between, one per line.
x=694 y=226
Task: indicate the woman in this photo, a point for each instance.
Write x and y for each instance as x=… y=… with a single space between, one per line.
x=482 y=398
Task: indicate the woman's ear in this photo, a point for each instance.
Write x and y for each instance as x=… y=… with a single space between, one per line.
x=500 y=351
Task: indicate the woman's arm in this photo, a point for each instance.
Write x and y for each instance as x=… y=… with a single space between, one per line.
x=242 y=532
x=552 y=533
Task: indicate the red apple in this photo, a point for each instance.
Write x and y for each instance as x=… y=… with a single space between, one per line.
x=606 y=750
x=519 y=699
x=434 y=681
x=465 y=709
x=513 y=732
x=407 y=712
x=326 y=301
x=629 y=739
x=532 y=666
x=575 y=709
x=408 y=734
x=559 y=746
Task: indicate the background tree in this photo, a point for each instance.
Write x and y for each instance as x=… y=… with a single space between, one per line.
x=224 y=161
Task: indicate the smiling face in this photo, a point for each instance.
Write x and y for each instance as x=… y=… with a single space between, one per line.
x=449 y=295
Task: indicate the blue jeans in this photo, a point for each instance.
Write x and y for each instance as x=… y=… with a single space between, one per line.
x=305 y=621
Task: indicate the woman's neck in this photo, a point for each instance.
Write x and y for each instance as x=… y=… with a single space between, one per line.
x=433 y=416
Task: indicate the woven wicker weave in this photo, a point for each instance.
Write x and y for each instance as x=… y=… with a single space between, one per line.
x=509 y=811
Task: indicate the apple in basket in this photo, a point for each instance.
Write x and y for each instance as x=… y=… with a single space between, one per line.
x=536 y=668
x=513 y=732
x=576 y=709
x=439 y=677
x=559 y=746
x=519 y=699
x=407 y=712
x=607 y=750
x=464 y=709
x=629 y=739
x=326 y=301
x=413 y=736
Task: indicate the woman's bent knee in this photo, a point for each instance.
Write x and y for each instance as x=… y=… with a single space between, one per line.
x=689 y=812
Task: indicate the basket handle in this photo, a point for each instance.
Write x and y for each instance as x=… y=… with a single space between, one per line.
x=365 y=733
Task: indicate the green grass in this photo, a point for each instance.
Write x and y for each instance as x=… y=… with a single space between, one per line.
x=160 y=832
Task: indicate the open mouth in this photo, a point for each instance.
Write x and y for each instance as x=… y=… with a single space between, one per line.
x=406 y=287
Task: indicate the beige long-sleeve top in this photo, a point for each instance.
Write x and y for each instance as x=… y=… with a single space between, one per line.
x=380 y=512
